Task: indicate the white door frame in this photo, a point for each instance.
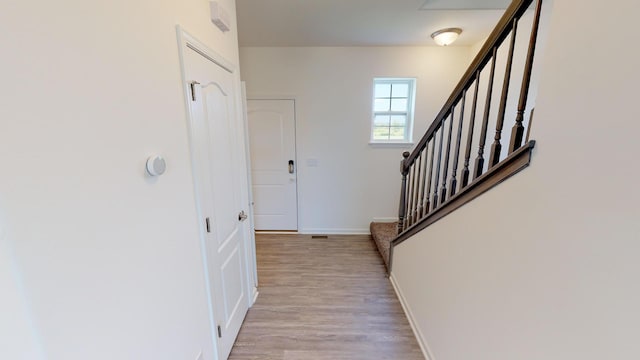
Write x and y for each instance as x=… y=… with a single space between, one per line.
x=252 y=229
x=299 y=171
x=186 y=40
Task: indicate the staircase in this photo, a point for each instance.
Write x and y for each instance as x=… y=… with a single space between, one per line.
x=461 y=156
x=479 y=138
x=383 y=233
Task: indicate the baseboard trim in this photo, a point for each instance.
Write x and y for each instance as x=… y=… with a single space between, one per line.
x=416 y=331
x=255 y=295
x=385 y=219
x=335 y=231
x=275 y=232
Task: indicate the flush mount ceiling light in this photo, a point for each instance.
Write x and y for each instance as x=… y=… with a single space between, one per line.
x=447 y=36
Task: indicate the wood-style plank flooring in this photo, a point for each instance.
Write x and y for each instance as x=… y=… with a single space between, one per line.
x=323 y=299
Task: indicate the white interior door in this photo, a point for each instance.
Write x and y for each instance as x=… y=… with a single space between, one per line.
x=216 y=157
x=273 y=164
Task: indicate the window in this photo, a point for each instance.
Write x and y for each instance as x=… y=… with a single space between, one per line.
x=393 y=102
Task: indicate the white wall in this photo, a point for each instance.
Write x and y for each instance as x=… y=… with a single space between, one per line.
x=353 y=182
x=18 y=339
x=545 y=266
x=104 y=261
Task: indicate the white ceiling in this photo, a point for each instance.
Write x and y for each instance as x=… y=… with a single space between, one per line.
x=363 y=22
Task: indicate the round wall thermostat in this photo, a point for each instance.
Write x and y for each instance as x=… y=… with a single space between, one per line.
x=156 y=165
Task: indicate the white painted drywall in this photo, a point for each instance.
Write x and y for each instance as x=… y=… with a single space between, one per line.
x=18 y=337
x=353 y=182
x=104 y=260
x=545 y=266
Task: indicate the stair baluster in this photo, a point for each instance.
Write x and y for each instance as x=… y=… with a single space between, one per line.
x=445 y=172
x=435 y=188
x=472 y=119
x=416 y=191
x=518 y=129
x=496 y=147
x=454 y=181
x=485 y=121
x=412 y=175
x=433 y=152
x=425 y=152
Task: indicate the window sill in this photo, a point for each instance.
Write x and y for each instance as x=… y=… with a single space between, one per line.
x=379 y=144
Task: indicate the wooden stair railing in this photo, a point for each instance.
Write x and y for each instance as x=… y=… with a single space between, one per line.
x=420 y=203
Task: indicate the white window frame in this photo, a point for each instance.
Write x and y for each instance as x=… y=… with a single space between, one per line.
x=408 y=140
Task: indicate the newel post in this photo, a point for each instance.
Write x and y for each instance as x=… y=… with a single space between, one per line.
x=402 y=209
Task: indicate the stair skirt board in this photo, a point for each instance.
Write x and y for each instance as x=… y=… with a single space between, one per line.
x=422 y=342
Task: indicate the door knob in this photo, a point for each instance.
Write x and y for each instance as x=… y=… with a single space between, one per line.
x=242 y=216
x=291 y=167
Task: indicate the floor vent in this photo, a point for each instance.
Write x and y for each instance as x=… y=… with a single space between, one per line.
x=319 y=236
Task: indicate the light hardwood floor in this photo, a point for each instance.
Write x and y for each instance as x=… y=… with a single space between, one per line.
x=323 y=299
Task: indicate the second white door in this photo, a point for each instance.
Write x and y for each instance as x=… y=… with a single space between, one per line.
x=274 y=166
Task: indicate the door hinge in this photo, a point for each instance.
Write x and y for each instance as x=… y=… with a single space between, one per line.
x=208 y=224
x=219 y=331
x=193 y=90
